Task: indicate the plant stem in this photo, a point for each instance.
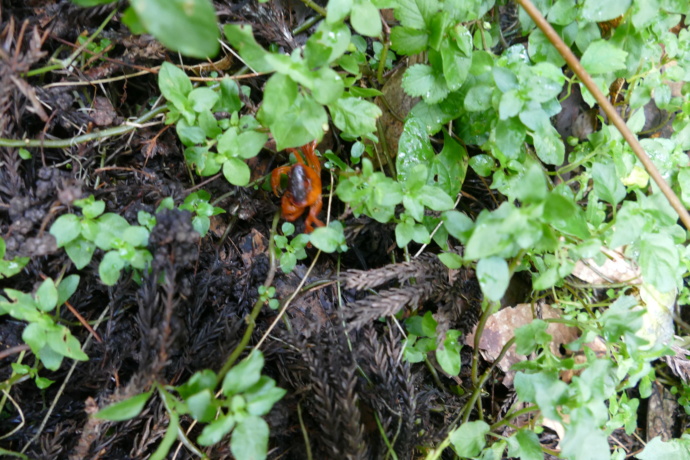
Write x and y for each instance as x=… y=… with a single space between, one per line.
x=606 y=106
x=251 y=320
x=66 y=143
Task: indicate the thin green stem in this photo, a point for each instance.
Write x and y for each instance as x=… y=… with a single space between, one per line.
x=102 y=134
x=251 y=320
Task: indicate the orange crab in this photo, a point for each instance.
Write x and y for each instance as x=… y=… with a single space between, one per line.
x=303 y=189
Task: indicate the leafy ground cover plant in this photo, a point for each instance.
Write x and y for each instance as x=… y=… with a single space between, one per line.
x=491 y=107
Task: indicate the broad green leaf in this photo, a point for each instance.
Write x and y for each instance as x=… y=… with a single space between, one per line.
x=294 y=119
x=201 y=405
x=327 y=86
x=565 y=215
x=414 y=148
x=66 y=288
x=136 y=236
x=585 y=440
x=64 y=343
x=328 y=239
x=598 y=11
x=354 y=116
x=80 y=252
x=111 y=226
x=92 y=208
x=66 y=228
x=215 y=431
x=423 y=81
x=338 y=10
x=47 y=295
x=549 y=146
x=51 y=359
x=510 y=105
x=531 y=336
x=450 y=166
x=262 y=396
x=201 y=380
x=413 y=13
x=236 y=172
x=448 y=356
x=469 y=439
x=165 y=19
x=110 y=267
x=422 y=326
x=494 y=277
x=124 y=410
x=229 y=100
x=451 y=260
x=659 y=261
x=250 y=439
x=202 y=99
x=525 y=445
x=34 y=335
x=602 y=56
x=244 y=374
x=509 y=136
x=408 y=41
x=251 y=143
x=607 y=185
x=458 y=225
x=478 y=98
x=673 y=448
x=365 y=18
x=456 y=65
x=435 y=198
x=242 y=39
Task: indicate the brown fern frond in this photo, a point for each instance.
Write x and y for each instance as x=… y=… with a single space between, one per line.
x=425 y=267
x=388 y=303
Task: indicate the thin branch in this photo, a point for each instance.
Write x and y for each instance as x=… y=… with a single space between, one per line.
x=606 y=106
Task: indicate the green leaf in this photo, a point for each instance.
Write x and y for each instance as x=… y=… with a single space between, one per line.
x=66 y=228
x=598 y=11
x=165 y=19
x=229 y=100
x=494 y=277
x=136 y=236
x=328 y=239
x=456 y=66
x=423 y=81
x=525 y=445
x=250 y=439
x=422 y=326
x=201 y=380
x=435 y=198
x=90 y=207
x=448 y=356
x=450 y=166
x=602 y=56
x=673 y=448
x=47 y=295
x=607 y=185
x=510 y=105
x=565 y=215
x=414 y=148
x=65 y=344
x=327 y=86
x=478 y=98
x=201 y=405
x=365 y=18
x=124 y=410
x=236 y=172
x=482 y=164
x=549 y=146
x=110 y=267
x=337 y=10
x=66 y=288
x=458 y=225
x=80 y=252
x=413 y=13
x=531 y=336
x=244 y=374
x=242 y=39
x=451 y=260
x=509 y=136
x=34 y=335
x=169 y=439
x=131 y=20
x=251 y=142
x=469 y=439
x=262 y=396
x=294 y=119
x=215 y=431
x=354 y=116
x=659 y=261
x=408 y=41
x=203 y=99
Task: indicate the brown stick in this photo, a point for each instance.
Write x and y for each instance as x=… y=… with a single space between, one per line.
x=606 y=106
